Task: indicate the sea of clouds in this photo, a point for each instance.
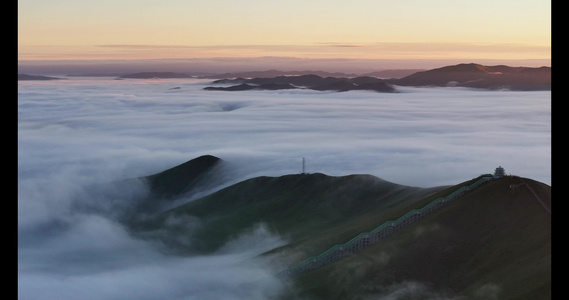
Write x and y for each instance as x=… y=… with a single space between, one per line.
x=75 y=135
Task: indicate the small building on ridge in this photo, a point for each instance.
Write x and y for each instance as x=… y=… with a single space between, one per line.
x=499 y=172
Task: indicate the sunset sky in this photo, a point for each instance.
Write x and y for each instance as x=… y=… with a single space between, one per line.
x=362 y=29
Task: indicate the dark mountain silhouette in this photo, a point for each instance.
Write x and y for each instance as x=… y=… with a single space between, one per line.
x=182 y=178
x=239 y=87
x=461 y=75
x=36 y=77
x=309 y=81
x=245 y=87
x=299 y=80
x=151 y=75
x=479 y=76
x=167 y=188
x=391 y=73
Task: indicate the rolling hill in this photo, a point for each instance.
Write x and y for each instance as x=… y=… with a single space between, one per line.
x=389 y=73
x=309 y=81
x=297 y=206
x=493 y=242
x=462 y=75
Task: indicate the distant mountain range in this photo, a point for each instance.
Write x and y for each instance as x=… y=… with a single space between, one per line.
x=395 y=73
x=36 y=77
x=265 y=74
x=182 y=178
x=494 y=240
x=313 y=82
x=462 y=75
x=469 y=75
x=479 y=76
x=291 y=204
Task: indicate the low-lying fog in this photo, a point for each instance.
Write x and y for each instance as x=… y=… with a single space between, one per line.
x=77 y=133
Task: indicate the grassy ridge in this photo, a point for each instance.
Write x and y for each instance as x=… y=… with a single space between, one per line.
x=492 y=243
x=493 y=240
x=300 y=207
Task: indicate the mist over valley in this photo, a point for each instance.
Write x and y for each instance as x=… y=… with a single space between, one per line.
x=104 y=208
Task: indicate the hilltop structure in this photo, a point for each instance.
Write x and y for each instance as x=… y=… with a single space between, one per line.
x=499 y=172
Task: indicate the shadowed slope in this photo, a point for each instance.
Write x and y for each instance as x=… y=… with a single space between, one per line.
x=309 y=81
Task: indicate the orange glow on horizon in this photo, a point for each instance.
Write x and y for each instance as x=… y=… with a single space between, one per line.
x=331 y=51
x=369 y=29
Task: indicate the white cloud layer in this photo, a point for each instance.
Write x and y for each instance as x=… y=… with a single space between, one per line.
x=78 y=133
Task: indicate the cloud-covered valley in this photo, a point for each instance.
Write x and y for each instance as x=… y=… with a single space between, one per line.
x=77 y=135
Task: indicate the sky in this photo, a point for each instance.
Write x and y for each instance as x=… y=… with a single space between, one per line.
x=315 y=29
x=76 y=136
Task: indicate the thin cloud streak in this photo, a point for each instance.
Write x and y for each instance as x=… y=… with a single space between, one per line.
x=390 y=50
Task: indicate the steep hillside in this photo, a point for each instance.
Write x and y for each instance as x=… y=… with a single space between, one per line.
x=493 y=243
x=182 y=178
x=461 y=75
x=309 y=81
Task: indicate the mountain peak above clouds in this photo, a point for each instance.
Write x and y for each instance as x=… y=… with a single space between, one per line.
x=480 y=76
x=179 y=179
x=308 y=81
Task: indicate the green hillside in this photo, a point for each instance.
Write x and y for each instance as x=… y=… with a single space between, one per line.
x=300 y=207
x=166 y=187
x=492 y=243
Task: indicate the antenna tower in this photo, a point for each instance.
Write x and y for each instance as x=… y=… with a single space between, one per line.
x=303 y=166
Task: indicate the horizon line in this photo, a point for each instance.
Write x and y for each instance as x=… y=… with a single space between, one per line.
x=465 y=60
